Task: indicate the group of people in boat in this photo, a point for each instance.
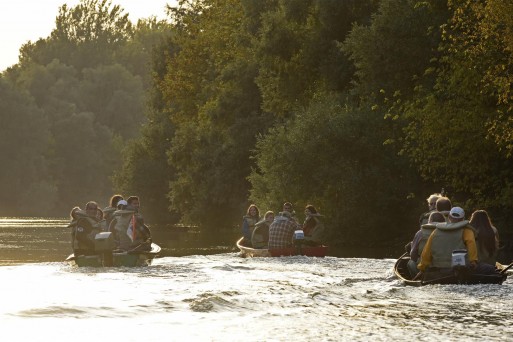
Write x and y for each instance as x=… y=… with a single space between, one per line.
x=121 y=218
x=443 y=232
x=282 y=230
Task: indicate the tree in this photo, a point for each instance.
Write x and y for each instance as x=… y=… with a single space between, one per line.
x=214 y=104
x=331 y=155
x=393 y=51
x=115 y=96
x=462 y=112
x=24 y=140
x=298 y=52
x=145 y=169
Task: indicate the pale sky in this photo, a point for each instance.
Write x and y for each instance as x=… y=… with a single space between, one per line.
x=24 y=20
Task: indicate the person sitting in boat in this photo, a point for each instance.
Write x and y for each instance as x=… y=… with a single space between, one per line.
x=287 y=206
x=130 y=232
x=444 y=206
x=108 y=212
x=457 y=234
x=260 y=236
x=487 y=237
x=85 y=225
x=281 y=231
x=248 y=224
x=313 y=228
x=74 y=214
x=431 y=200
x=420 y=239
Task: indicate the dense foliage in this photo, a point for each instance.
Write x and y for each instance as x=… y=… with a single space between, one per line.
x=80 y=94
x=361 y=108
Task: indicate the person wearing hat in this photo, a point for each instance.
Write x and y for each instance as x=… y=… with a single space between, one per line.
x=128 y=226
x=456 y=234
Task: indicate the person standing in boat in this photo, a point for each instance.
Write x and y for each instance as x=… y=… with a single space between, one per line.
x=487 y=237
x=431 y=200
x=108 y=212
x=260 y=236
x=128 y=227
x=282 y=230
x=248 y=224
x=313 y=227
x=457 y=234
x=420 y=239
x=84 y=228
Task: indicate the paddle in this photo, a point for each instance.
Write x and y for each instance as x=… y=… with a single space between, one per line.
x=507 y=268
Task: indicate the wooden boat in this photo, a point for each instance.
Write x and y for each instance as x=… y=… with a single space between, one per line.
x=317 y=251
x=133 y=258
x=457 y=277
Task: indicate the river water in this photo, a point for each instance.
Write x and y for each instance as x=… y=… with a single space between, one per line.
x=219 y=296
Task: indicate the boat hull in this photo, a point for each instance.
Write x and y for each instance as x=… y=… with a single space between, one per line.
x=318 y=251
x=123 y=259
x=464 y=278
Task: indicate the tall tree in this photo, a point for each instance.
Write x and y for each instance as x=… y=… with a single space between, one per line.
x=214 y=103
x=85 y=35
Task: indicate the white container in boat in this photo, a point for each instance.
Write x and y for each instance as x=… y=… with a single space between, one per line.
x=459 y=257
x=299 y=235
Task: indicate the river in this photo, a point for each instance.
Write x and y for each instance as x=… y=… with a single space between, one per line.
x=215 y=295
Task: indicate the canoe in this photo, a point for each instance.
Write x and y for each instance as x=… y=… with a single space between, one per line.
x=457 y=277
x=317 y=251
x=116 y=259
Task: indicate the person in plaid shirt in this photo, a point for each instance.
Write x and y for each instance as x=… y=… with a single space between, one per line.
x=281 y=231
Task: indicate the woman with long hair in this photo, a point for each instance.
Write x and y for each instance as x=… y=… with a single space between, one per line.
x=487 y=237
x=313 y=227
x=248 y=223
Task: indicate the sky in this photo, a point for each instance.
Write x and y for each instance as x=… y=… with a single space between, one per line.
x=24 y=20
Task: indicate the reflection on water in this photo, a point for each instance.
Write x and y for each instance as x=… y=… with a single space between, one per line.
x=26 y=240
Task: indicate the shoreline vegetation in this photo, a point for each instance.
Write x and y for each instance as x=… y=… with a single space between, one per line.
x=361 y=108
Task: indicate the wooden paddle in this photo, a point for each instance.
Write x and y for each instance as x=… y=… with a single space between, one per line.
x=507 y=268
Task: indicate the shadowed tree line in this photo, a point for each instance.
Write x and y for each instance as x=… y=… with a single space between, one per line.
x=362 y=108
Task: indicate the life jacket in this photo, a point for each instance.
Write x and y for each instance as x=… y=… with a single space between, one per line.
x=108 y=214
x=447 y=237
x=81 y=229
x=251 y=221
x=424 y=218
x=316 y=233
x=128 y=228
x=426 y=230
x=260 y=236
